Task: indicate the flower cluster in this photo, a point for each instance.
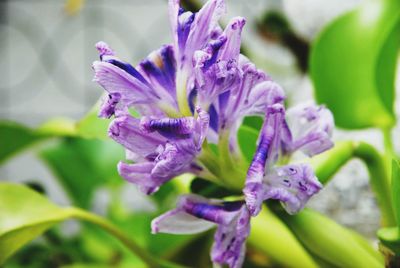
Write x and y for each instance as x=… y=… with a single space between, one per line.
x=196 y=92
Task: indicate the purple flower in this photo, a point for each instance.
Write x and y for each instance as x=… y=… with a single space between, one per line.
x=197 y=214
x=255 y=92
x=311 y=129
x=292 y=184
x=161 y=148
x=149 y=88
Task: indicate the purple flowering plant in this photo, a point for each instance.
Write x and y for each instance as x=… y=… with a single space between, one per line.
x=206 y=162
x=191 y=97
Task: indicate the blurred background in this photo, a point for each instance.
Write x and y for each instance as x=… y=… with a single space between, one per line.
x=46 y=52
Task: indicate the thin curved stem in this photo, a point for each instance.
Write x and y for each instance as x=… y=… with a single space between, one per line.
x=147 y=258
x=329 y=163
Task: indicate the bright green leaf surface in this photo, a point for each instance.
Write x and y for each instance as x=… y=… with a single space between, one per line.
x=24 y=215
x=353 y=65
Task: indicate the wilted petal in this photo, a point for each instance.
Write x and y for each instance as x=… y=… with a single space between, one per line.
x=104 y=49
x=266 y=155
x=311 y=129
x=109 y=105
x=293 y=185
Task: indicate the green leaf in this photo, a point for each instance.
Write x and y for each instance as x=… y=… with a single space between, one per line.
x=353 y=65
x=254 y=122
x=24 y=215
x=247 y=138
x=330 y=241
x=82 y=165
x=396 y=190
x=91 y=126
x=15 y=137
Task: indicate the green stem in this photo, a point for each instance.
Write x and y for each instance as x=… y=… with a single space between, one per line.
x=389 y=148
x=379 y=179
x=233 y=173
x=147 y=258
x=329 y=163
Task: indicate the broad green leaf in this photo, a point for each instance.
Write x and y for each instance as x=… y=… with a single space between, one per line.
x=272 y=237
x=247 y=138
x=24 y=215
x=353 y=65
x=396 y=190
x=82 y=165
x=254 y=122
x=15 y=137
x=330 y=241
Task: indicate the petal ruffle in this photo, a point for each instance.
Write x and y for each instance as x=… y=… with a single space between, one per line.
x=311 y=129
x=293 y=185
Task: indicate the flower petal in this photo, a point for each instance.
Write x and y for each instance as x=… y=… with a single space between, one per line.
x=311 y=129
x=293 y=185
x=266 y=155
x=230 y=241
x=159 y=68
x=139 y=174
x=172 y=128
x=126 y=131
x=202 y=27
x=178 y=221
x=231 y=48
